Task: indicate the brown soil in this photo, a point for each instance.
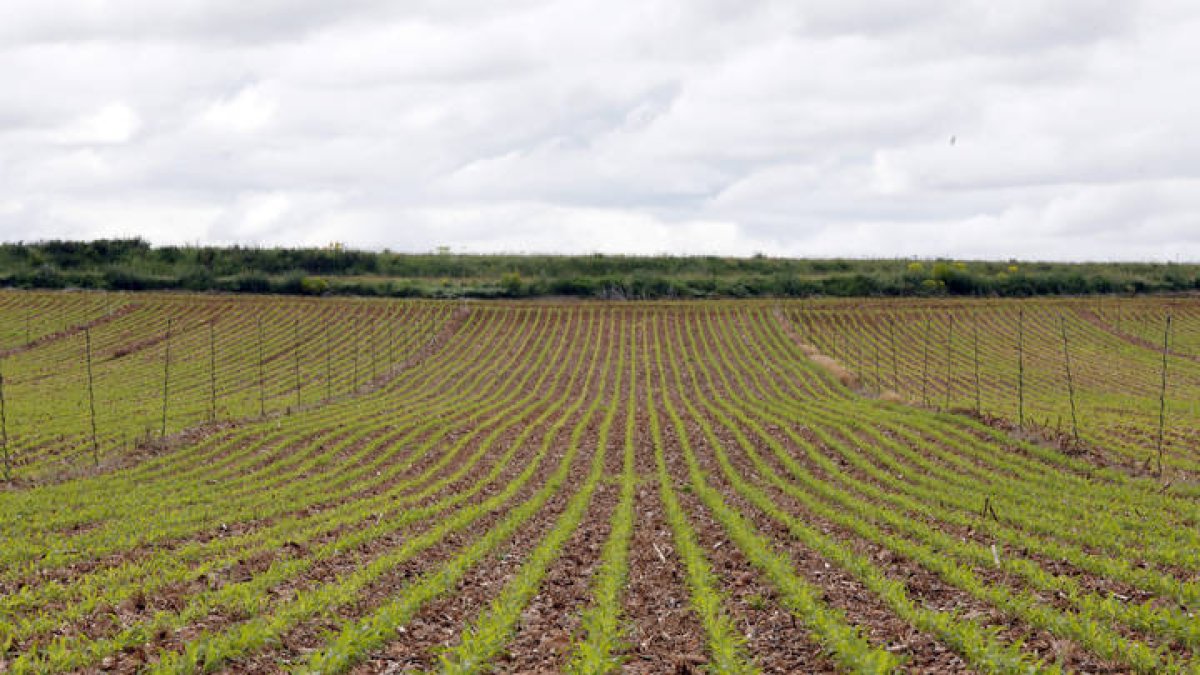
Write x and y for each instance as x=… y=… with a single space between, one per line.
x=1088 y=582
x=778 y=642
x=665 y=634
x=929 y=590
x=440 y=623
x=295 y=644
x=550 y=625
x=801 y=652
x=448 y=613
x=84 y=567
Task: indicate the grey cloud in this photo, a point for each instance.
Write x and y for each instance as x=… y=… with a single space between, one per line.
x=30 y=21
x=817 y=128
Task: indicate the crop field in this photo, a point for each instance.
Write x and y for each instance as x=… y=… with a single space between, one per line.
x=253 y=484
x=968 y=355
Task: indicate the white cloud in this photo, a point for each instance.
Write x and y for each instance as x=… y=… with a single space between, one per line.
x=170 y=223
x=544 y=228
x=817 y=128
x=250 y=110
x=113 y=124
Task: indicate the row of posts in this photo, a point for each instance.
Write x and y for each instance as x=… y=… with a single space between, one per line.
x=5 y=451
x=1020 y=354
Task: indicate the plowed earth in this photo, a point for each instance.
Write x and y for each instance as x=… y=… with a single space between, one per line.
x=359 y=534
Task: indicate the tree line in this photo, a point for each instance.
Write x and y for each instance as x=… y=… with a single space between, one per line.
x=134 y=264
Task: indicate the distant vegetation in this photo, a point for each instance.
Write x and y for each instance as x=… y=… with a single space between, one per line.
x=133 y=264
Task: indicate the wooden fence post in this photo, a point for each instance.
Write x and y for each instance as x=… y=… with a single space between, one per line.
x=328 y=366
x=878 y=381
x=296 y=359
x=354 y=369
x=1070 y=383
x=372 y=337
x=262 y=380
x=949 y=359
x=975 y=339
x=1162 y=394
x=925 y=367
x=391 y=343
x=212 y=371
x=166 y=379
x=4 y=427
x=895 y=367
x=87 y=341
x=1021 y=368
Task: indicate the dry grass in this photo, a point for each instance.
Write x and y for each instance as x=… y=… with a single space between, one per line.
x=835 y=368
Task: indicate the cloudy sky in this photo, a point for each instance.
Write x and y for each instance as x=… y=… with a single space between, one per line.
x=702 y=126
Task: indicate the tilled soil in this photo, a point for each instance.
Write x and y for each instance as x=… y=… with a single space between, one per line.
x=881 y=626
x=550 y=625
x=665 y=635
x=439 y=624
x=931 y=591
x=168 y=597
x=481 y=583
x=297 y=642
x=661 y=631
x=777 y=641
x=142 y=606
x=1087 y=580
x=224 y=530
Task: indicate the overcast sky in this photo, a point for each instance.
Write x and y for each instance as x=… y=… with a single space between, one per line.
x=700 y=126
